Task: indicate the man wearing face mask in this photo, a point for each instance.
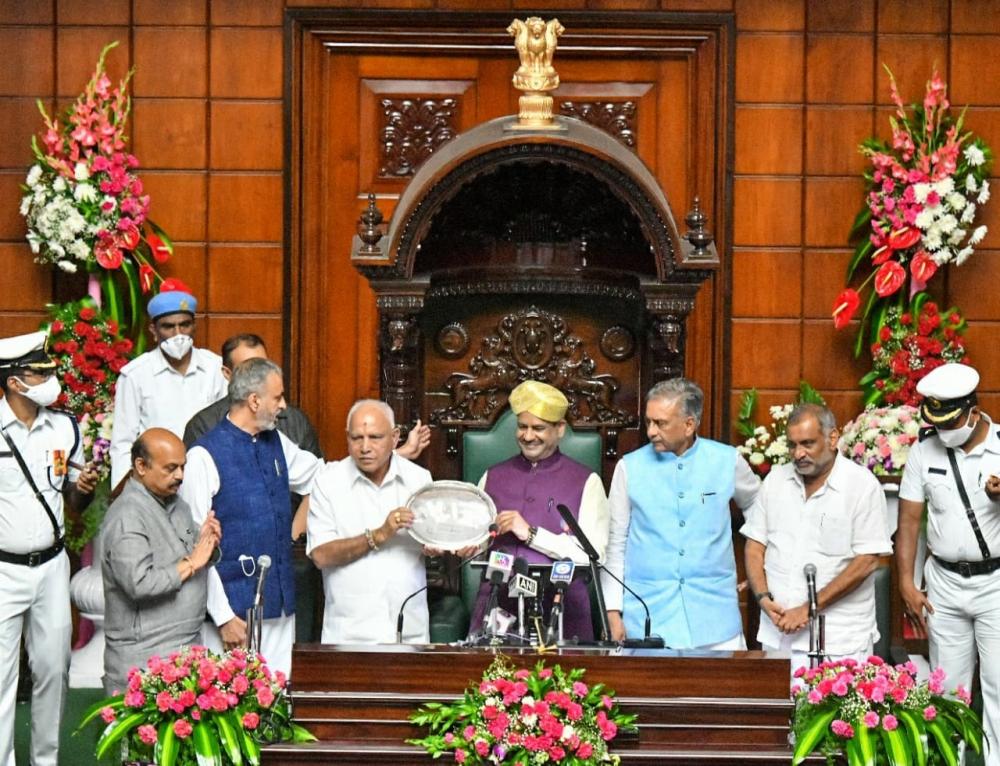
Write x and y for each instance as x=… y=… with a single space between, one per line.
x=40 y=457
x=164 y=387
x=955 y=470
x=244 y=469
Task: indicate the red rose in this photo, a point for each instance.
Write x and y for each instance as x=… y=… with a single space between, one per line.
x=845 y=307
x=57 y=326
x=889 y=278
x=87 y=314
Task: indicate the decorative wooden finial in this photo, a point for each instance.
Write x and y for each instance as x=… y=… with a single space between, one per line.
x=698 y=234
x=369 y=230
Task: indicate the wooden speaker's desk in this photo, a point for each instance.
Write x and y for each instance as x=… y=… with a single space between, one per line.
x=694 y=708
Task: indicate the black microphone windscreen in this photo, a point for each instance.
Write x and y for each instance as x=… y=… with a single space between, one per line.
x=520 y=566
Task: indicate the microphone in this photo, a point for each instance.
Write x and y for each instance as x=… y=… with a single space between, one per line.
x=417 y=592
x=521 y=586
x=591 y=552
x=809 y=570
x=263 y=565
x=494 y=530
x=498 y=571
x=561 y=577
x=648 y=641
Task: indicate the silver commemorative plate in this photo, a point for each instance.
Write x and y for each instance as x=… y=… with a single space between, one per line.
x=451 y=514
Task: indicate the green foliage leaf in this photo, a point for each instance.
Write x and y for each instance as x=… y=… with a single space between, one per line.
x=809 y=395
x=167 y=745
x=941 y=732
x=897 y=748
x=812 y=735
x=116 y=731
x=865 y=743
x=301 y=734
x=916 y=736
x=861 y=252
x=229 y=738
x=251 y=750
x=206 y=746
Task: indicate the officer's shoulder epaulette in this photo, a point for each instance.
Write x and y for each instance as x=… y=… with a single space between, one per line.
x=926 y=432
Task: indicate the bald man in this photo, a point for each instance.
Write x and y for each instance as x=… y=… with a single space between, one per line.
x=154 y=561
x=356 y=535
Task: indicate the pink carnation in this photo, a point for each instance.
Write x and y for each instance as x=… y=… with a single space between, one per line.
x=251 y=720
x=147 y=734
x=580 y=689
x=182 y=728
x=930 y=713
x=871 y=719
x=842 y=729
x=108 y=714
x=460 y=756
x=889 y=722
x=962 y=693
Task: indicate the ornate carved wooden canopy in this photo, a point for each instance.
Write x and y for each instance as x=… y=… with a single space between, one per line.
x=549 y=255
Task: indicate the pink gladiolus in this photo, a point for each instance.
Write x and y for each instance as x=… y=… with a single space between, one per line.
x=889 y=722
x=182 y=728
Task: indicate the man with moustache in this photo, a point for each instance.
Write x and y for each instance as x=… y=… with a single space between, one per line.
x=527 y=487
x=820 y=509
x=164 y=387
x=671 y=536
x=244 y=469
x=154 y=564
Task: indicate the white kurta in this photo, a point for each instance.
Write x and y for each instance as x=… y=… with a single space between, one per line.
x=34 y=600
x=844 y=518
x=363 y=598
x=152 y=394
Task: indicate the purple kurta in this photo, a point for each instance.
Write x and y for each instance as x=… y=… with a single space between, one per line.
x=535 y=491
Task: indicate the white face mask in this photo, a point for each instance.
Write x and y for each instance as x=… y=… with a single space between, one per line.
x=177 y=346
x=43 y=394
x=956 y=437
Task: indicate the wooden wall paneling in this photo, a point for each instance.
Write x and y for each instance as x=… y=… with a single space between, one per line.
x=756 y=277
x=170 y=130
x=178 y=202
x=844 y=16
x=765 y=137
x=232 y=122
x=966 y=286
x=189 y=264
x=821 y=343
x=913 y=16
x=20 y=120
x=245 y=62
x=186 y=48
x=193 y=12
x=832 y=137
x=256 y=290
x=825 y=273
x=828 y=81
x=674 y=135
x=766 y=353
x=27 y=75
x=33 y=283
x=11 y=221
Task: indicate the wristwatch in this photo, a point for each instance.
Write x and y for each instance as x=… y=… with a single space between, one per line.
x=761 y=596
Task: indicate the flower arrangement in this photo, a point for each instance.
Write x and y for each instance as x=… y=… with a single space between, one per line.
x=193 y=707
x=767 y=446
x=879 y=713
x=526 y=717
x=880 y=438
x=910 y=344
x=84 y=204
x=924 y=189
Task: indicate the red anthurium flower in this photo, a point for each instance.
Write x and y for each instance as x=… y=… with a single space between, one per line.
x=889 y=278
x=903 y=238
x=845 y=307
x=922 y=267
x=146 y=277
x=161 y=253
x=129 y=238
x=108 y=254
x=881 y=255
x=169 y=285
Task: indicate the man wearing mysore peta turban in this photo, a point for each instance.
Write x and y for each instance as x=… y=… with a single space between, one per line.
x=526 y=490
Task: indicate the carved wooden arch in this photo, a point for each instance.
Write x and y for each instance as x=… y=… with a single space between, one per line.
x=678 y=258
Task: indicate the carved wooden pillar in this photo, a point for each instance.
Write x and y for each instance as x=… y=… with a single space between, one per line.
x=400 y=362
x=666 y=337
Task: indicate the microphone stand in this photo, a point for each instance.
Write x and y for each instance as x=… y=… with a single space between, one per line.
x=255 y=614
x=817 y=621
x=591 y=552
x=648 y=641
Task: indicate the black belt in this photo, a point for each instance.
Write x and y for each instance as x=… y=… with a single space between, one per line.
x=33 y=559
x=970 y=568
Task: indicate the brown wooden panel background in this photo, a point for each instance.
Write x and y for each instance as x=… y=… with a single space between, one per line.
x=207 y=125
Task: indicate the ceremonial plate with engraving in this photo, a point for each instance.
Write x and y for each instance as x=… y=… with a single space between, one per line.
x=451 y=514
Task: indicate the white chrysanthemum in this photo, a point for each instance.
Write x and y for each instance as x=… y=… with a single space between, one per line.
x=963 y=255
x=25 y=204
x=947 y=224
x=977 y=235
x=969 y=213
x=945 y=186
x=970 y=183
x=941 y=257
x=79 y=250
x=984 y=193
x=870 y=435
x=932 y=241
x=760 y=430
x=956 y=237
x=974 y=155
x=33 y=176
x=80 y=172
x=777 y=411
x=956 y=201
x=756 y=458
x=920 y=192
x=84 y=192
x=59 y=184
x=787 y=410
x=889 y=422
x=924 y=219
x=67 y=266
x=34 y=242
x=56 y=248
x=912 y=428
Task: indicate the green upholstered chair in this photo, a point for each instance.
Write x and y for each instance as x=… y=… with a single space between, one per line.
x=450 y=615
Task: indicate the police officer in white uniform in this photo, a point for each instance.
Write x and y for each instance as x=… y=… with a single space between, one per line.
x=955 y=469
x=40 y=457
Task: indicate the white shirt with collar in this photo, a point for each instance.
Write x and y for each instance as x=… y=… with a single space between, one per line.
x=363 y=598
x=152 y=394
x=928 y=477
x=844 y=518
x=24 y=525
